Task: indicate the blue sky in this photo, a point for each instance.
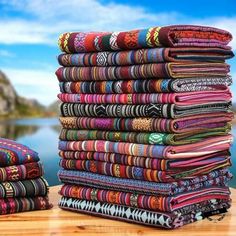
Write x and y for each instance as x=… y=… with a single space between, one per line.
x=29 y=30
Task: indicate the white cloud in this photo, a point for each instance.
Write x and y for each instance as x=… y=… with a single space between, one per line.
x=5 y=53
x=38 y=84
x=50 y=18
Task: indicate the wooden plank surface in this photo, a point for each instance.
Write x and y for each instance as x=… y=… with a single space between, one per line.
x=60 y=222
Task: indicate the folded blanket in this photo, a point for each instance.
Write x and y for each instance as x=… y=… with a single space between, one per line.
x=143 y=71
x=14 y=205
x=195 y=124
x=144 y=110
x=168 y=36
x=205 y=161
x=188 y=98
x=24 y=188
x=147 y=86
x=215 y=178
x=141 y=216
x=12 y=153
x=145 y=56
x=149 y=202
x=141 y=137
x=21 y=172
x=133 y=172
x=204 y=147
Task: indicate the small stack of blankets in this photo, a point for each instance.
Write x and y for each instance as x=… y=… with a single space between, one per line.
x=145 y=120
x=22 y=187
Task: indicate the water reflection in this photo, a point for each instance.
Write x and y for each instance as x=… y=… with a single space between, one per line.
x=12 y=131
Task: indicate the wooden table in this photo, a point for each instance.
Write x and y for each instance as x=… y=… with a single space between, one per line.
x=60 y=222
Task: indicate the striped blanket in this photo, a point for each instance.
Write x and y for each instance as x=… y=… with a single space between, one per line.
x=13 y=153
x=184 y=99
x=143 y=71
x=24 y=188
x=145 y=56
x=139 y=173
x=196 y=123
x=141 y=137
x=21 y=172
x=204 y=147
x=14 y=205
x=214 y=178
x=147 y=86
x=144 y=110
x=211 y=160
x=168 y=36
x=148 y=202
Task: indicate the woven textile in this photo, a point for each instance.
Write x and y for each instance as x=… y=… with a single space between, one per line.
x=190 y=98
x=144 y=71
x=144 y=56
x=170 y=36
x=12 y=153
x=210 y=160
x=188 y=124
x=144 y=110
x=147 y=86
x=145 y=118
x=215 y=178
x=207 y=146
x=14 y=205
x=21 y=172
x=140 y=137
x=24 y=188
x=133 y=172
x=141 y=216
x=149 y=202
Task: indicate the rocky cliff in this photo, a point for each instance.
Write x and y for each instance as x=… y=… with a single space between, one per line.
x=12 y=105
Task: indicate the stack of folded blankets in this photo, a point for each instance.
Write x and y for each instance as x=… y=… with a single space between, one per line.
x=22 y=187
x=145 y=120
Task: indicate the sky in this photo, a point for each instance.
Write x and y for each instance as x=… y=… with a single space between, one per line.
x=29 y=30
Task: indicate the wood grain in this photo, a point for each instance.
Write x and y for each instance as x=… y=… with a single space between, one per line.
x=60 y=222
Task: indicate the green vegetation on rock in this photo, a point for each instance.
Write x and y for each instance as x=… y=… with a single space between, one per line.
x=14 y=106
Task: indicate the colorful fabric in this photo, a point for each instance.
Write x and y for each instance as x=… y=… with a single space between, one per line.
x=214 y=159
x=147 y=86
x=145 y=56
x=21 y=172
x=168 y=36
x=144 y=110
x=141 y=216
x=12 y=153
x=145 y=118
x=14 y=205
x=133 y=172
x=190 y=98
x=143 y=71
x=196 y=123
x=207 y=146
x=149 y=202
x=215 y=178
x=140 y=137
x=24 y=188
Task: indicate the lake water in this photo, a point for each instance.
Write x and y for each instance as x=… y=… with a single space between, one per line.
x=42 y=136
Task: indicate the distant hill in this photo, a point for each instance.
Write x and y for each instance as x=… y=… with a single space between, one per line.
x=14 y=106
x=53 y=108
x=234 y=107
